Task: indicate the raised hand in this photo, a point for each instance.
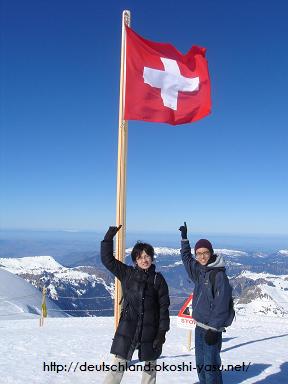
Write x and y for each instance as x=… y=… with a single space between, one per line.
x=183 y=230
x=111 y=232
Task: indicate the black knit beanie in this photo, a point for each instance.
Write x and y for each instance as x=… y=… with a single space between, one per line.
x=203 y=243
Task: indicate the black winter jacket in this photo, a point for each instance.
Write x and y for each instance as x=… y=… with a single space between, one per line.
x=144 y=309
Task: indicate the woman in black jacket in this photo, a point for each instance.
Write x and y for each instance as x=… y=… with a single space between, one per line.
x=144 y=318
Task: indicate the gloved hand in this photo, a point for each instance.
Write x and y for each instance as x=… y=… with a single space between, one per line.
x=211 y=337
x=159 y=340
x=111 y=232
x=183 y=230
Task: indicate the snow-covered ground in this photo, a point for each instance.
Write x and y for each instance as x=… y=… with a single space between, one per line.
x=260 y=341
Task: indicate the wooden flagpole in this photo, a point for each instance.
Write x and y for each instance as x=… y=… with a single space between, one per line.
x=121 y=168
x=189 y=340
x=43 y=307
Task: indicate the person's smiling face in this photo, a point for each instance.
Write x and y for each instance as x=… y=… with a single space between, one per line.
x=203 y=255
x=144 y=261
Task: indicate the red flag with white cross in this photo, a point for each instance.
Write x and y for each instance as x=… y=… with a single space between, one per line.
x=162 y=85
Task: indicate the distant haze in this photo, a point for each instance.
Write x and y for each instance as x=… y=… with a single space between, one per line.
x=17 y=243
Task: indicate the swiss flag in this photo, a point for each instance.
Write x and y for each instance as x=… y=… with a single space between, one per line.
x=162 y=85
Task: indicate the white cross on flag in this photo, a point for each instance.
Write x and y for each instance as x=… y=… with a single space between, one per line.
x=162 y=85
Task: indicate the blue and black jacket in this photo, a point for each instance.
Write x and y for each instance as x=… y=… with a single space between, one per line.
x=210 y=305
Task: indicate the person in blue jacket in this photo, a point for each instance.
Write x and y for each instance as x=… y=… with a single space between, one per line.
x=210 y=306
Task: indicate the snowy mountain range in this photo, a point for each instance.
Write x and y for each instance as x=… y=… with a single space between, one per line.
x=80 y=291
x=20 y=300
x=88 y=290
x=166 y=251
x=262 y=293
x=283 y=252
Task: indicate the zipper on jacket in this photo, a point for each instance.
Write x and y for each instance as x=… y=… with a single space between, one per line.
x=198 y=298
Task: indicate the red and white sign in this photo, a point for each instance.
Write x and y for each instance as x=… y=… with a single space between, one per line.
x=184 y=318
x=163 y=85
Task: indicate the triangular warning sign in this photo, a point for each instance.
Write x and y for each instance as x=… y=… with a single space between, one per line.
x=186 y=310
x=184 y=318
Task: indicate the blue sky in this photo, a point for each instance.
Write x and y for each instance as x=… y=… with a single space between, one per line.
x=59 y=119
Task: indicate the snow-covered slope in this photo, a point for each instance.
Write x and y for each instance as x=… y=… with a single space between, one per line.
x=19 y=299
x=47 y=265
x=267 y=276
x=37 y=265
x=87 y=291
x=33 y=264
x=268 y=294
x=230 y=252
x=283 y=252
x=25 y=347
x=79 y=291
